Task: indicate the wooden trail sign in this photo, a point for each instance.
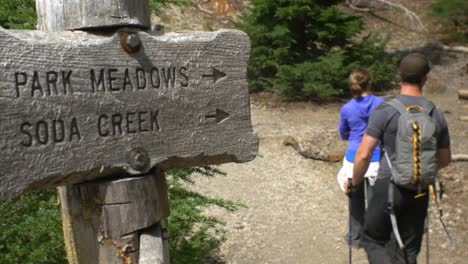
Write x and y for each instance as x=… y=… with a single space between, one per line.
x=77 y=106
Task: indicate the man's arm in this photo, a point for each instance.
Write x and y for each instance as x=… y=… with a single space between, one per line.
x=444 y=157
x=363 y=158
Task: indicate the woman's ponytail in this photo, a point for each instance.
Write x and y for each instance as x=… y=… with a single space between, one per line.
x=360 y=82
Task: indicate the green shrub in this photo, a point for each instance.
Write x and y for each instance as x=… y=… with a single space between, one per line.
x=192 y=235
x=306 y=48
x=31 y=230
x=455 y=14
x=18 y=14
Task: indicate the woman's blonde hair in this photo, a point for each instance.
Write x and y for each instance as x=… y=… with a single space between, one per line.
x=361 y=81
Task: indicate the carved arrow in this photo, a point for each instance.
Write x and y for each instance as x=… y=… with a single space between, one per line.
x=216 y=75
x=219 y=115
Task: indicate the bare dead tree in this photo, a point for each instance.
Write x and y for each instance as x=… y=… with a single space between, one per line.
x=355 y=5
x=412 y=16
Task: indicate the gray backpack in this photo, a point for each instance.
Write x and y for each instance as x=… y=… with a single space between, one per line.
x=415 y=166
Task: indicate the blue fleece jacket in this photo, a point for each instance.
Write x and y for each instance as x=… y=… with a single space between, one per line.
x=354 y=116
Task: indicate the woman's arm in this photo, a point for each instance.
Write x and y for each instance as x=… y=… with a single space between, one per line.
x=343 y=127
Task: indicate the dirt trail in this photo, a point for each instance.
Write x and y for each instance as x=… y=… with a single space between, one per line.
x=296 y=212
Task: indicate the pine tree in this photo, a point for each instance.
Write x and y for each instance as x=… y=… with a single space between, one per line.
x=307 y=48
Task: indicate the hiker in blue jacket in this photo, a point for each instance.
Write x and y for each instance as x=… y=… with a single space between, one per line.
x=354 y=116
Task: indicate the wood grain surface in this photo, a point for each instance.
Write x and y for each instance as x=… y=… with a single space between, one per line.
x=74 y=105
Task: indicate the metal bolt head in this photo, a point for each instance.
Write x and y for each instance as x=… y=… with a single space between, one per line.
x=130 y=42
x=139 y=159
x=133 y=41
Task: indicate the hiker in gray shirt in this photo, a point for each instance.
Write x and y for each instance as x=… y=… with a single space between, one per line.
x=409 y=206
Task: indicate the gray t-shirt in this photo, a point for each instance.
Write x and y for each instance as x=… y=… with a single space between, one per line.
x=383 y=125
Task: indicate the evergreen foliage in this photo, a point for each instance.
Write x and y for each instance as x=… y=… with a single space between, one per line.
x=31 y=230
x=192 y=235
x=307 y=48
x=455 y=13
x=18 y=14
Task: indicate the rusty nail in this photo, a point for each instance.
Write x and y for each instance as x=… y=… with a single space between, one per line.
x=139 y=159
x=131 y=42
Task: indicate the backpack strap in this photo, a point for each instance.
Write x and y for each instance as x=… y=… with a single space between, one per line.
x=427 y=106
x=393 y=217
x=390 y=207
x=399 y=106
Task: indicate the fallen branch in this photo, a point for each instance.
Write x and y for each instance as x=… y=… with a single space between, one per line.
x=452 y=49
x=415 y=20
x=460 y=157
x=209 y=12
x=351 y=4
x=428 y=49
x=310 y=153
x=463 y=118
x=463 y=94
x=410 y=14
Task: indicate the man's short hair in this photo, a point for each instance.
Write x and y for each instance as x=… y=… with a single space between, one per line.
x=413 y=68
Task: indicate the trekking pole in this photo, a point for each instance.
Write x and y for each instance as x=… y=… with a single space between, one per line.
x=350 y=182
x=365 y=194
x=427 y=231
x=436 y=201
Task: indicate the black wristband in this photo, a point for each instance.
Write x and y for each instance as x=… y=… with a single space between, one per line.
x=351 y=186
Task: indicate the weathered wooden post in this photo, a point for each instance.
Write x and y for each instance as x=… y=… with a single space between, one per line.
x=103 y=107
